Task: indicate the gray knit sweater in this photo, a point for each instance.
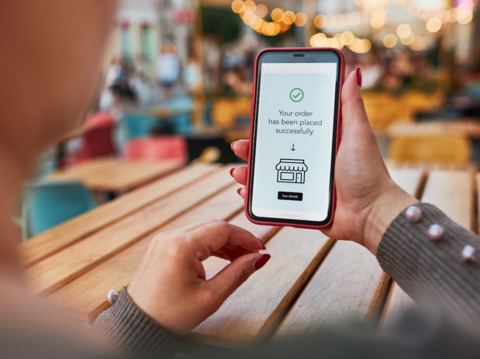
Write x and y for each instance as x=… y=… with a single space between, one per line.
x=431 y=272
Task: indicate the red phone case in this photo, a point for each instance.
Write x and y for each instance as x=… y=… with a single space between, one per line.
x=339 y=131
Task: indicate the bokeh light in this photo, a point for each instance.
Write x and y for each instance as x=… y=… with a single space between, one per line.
x=434 y=24
x=404 y=31
x=301 y=19
x=390 y=40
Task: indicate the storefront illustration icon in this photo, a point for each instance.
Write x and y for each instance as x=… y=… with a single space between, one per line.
x=291 y=171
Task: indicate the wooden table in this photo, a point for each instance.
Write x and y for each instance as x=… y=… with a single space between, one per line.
x=310 y=280
x=116 y=175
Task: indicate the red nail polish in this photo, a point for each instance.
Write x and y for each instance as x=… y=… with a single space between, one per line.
x=358 y=76
x=231 y=171
x=238 y=191
x=261 y=261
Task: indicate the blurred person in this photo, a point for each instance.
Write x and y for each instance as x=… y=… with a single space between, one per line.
x=169 y=294
x=237 y=81
x=168 y=68
x=192 y=75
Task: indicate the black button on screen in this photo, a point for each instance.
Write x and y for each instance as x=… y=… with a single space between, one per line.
x=290 y=196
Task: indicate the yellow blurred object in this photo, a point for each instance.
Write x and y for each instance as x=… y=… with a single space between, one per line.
x=451 y=149
x=226 y=111
x=383 y=108
x=209 y=155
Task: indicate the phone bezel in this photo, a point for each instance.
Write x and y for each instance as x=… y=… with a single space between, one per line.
x=287 y=55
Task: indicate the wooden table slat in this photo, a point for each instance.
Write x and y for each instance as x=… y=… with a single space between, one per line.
x=87 y=293
x=349 y=283
x=116 y=175
x=257 y=307
x=65 y=234
x=61 y=268
x=409 y=179
x=452 y=192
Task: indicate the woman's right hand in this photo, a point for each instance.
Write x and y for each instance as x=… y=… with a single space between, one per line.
x=367 y=198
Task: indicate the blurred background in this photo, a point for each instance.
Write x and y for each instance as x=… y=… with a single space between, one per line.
x=178 y=77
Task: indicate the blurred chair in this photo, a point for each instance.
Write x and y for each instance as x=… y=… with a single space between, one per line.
x=225 y=111
x=98 y=139
x=451 y=149
x=48 y=204
x=138 y=125
x=157 y=148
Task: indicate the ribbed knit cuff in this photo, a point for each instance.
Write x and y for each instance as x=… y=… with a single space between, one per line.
x=432 y=272
x=133 y=332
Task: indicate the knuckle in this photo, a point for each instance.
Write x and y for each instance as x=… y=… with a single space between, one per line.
x=174 y=247
x=221 y=225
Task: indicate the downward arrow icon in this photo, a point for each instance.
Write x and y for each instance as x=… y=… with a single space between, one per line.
x=293 y=147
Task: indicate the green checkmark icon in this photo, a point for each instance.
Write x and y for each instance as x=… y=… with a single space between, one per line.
x=296 y=95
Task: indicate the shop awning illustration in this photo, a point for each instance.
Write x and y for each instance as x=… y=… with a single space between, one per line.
x=291 y=170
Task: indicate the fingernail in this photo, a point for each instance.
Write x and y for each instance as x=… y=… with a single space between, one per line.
x=231 y=171
x=263 y=244
x=358 y=76
x=231 y=144
x=261 y=261
x=238 y=191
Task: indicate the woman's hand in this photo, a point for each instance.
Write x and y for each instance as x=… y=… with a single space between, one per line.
x=170 y=284
x=367 y=198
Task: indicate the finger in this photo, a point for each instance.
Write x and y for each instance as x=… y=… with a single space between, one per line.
x=234 y=274
x=353 y=108
x=240 y=148
x=240 y=174
x=242 y=191
x=213 y=236
x=231 y=253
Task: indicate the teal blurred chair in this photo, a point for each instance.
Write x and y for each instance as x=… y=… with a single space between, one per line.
x=138 y=125
x=48 y=204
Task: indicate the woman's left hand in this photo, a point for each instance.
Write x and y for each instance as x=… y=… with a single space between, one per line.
x=170 y=284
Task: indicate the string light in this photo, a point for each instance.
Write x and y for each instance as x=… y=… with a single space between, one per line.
x=253 y=15
x=340 y=40
x=390 y=40
x=301 y=19
x=419 y=44
x=434 y=24
x=463 y=13
x=373 y=12
x=408 y=40
x=378 y=19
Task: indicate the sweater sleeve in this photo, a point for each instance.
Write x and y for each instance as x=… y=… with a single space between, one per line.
x=433 y=272
x=133 y=332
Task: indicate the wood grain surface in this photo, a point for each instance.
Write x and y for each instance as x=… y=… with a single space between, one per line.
x=116 y=175
x=87 y=294
x=61 y=268
x=452 y=192
x=65 y=234
x=309 y=281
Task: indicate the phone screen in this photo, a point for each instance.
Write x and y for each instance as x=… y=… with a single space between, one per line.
x=294 y=138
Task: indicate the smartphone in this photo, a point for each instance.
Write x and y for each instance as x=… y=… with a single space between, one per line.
x=294 y=137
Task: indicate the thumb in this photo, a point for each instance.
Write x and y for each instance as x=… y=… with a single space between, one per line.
x=234 y=274
x=353 y=108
